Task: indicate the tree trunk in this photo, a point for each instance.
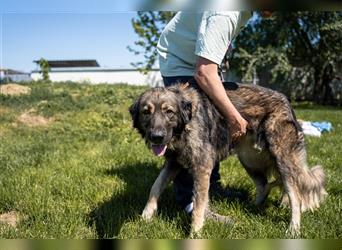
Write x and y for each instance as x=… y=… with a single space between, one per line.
x=317 y=89
x=322 y=92
x=328 y=75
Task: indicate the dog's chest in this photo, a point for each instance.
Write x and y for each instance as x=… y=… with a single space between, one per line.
x=189 y=150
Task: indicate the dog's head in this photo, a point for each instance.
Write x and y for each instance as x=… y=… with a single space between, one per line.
x=159 y=115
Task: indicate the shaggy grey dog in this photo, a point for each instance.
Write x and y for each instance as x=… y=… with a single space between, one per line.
x=181 y=124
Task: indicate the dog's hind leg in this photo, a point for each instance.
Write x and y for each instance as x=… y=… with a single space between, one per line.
x=264 y=190
x=259 y=177
x=284 y=143
x=304 y=186
x=294 y=197
x=262 y=187
x=287 y=172
x=166 y=175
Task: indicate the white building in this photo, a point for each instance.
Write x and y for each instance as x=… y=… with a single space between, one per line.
x=10 y=75
x=90 y=72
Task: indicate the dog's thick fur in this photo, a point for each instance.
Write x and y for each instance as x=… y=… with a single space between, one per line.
x=196 y=136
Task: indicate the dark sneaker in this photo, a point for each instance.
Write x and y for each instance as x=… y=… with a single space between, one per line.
x=217 y=190
x=211 y=215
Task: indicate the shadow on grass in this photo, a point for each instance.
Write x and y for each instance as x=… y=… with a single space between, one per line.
x=109 y=216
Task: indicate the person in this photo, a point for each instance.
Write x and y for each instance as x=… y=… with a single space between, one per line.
x=191 y=48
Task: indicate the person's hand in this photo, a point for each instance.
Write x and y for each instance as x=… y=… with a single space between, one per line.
x=238 y=127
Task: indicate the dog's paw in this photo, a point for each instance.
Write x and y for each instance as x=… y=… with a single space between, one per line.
x=293 y=231
x=148 y=213
x=195 y=234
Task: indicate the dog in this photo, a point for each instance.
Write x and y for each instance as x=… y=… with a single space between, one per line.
x=183 y=125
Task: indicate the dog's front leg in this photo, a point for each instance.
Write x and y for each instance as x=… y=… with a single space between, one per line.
x=165 y=176
x=201 y=177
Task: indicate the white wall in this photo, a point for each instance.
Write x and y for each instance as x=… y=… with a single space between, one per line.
x=131 y=77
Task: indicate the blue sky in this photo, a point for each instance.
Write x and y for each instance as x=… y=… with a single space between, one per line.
x=69 y=6
x=66 y=29
x=105 y=37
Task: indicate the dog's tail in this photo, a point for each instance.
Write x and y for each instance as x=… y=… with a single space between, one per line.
x=311 y=185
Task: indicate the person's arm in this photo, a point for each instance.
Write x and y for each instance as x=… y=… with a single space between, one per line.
x=207 y=78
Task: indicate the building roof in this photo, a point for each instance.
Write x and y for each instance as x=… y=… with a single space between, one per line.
x=78 y=70
x=12 y=72
x=71 y=63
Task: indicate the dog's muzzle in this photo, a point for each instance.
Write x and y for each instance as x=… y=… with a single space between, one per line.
x=156 y=139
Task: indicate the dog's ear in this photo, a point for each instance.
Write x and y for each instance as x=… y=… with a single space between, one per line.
x=134 y=111
x=185 y=111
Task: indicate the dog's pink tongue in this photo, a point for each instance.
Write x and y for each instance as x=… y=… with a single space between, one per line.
x=159 y=150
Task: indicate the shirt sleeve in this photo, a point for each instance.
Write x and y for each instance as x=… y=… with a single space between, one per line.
x=215 y=34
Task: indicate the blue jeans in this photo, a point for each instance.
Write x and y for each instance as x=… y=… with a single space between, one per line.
x=183 y=182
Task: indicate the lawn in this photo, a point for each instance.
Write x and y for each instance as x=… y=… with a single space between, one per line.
x=86 y=173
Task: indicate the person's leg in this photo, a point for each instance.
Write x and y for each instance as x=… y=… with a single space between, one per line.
x=182 y=186
x=215 y=175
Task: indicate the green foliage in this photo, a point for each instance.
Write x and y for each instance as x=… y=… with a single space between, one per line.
x=148 y=26
x=263 y=58
x=45 y=68
x=288 y=45
x=88 y=174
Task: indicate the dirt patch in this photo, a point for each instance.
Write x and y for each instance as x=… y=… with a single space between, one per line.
x=5 y=110
x=30 y=119
x=14 y=89
x=9 y=218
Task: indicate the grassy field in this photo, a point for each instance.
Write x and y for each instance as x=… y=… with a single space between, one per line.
x=87 y=174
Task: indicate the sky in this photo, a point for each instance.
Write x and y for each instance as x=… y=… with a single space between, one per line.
x=67 y=6
x=57 y=30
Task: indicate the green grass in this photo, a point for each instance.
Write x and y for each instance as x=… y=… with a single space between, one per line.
x=88 y=174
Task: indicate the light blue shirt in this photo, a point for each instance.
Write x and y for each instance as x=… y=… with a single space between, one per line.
x=191 y=34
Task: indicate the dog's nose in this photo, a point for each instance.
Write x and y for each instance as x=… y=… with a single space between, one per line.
x=157 y=137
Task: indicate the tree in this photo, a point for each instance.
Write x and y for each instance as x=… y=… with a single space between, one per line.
x=45 y=68
x=291 y=42
x=148 y=26
x=296 y=52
